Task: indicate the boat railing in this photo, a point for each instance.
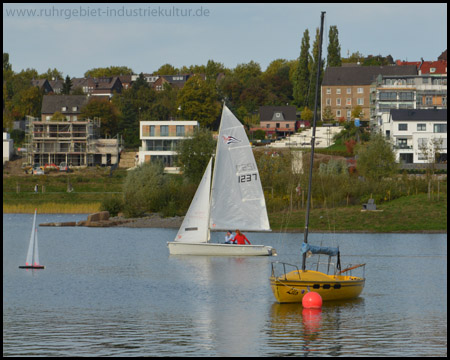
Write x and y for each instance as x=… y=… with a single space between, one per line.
x=350 y=267
x=284 y=264
x=328 y=264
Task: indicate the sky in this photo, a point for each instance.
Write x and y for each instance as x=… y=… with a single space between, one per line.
x=74 y=38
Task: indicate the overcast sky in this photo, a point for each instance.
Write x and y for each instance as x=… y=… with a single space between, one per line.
x=74 y=38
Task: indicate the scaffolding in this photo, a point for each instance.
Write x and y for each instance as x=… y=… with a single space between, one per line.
x=72 y=142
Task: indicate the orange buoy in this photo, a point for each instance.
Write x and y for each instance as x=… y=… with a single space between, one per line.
x=312 y=300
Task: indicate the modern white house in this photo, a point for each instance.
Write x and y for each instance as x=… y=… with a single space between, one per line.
x=413 y=130
x=160 y=140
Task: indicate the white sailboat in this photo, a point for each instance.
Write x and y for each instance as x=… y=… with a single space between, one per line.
x=32 y=261
x=235 y=200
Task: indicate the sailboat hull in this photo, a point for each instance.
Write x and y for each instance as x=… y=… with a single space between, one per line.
x=291 y=287
x=32 y=267
x=214 y=249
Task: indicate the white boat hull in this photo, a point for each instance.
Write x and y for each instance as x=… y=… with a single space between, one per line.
x=214 y=249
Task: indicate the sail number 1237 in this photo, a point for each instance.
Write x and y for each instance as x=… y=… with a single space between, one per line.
x=247 y=178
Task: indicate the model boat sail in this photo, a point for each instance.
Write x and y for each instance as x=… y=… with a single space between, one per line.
x=32 y=261
x=235 y=200
x=292 y=286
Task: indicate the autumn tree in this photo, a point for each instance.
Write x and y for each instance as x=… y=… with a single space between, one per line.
x=197 y=100
x=108 y=71
x=106 y=111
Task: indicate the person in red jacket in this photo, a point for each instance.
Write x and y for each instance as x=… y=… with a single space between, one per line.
x=241 y=238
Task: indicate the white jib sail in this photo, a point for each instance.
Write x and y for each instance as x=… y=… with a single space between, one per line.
x=237 y=198
x=29 y=260
x=36 y=252
x=194 y=228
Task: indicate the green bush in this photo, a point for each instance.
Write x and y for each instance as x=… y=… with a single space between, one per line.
x=113 y=204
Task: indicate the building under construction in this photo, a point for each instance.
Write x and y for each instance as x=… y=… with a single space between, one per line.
x=53 y=139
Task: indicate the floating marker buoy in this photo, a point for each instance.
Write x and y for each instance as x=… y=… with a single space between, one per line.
x=312 y=300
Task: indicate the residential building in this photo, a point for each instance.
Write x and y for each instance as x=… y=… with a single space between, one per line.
x=343 y=88
x=57 y=85
x=413 y=130
x=69 y=139
x=409 y=92
x=277 y=121
x=160 y=139
x=103 y=86
x=43 y=85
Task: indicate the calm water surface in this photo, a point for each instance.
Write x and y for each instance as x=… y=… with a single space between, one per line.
x=117 y=292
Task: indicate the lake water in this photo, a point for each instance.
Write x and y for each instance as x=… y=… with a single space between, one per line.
x=117 y=292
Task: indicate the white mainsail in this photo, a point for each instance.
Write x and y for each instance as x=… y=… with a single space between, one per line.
x=31 y=245
x=194 y=228
x=237 y=199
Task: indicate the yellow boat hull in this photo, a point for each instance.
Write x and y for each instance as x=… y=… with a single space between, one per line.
x=291 y=287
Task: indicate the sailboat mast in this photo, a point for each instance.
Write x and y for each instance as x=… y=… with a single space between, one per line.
x=313 y=139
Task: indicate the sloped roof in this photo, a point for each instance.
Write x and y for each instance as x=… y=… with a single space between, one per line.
x=53 y=103
x=419 y=114
x=266 y=113
x=363 y=75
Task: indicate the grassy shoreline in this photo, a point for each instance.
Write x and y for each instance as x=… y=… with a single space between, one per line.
x=411 y=214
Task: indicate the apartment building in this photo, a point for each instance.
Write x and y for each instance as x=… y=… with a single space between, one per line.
x=413 y=130
x=409 y=92
x=343 y=88
x=160 y=139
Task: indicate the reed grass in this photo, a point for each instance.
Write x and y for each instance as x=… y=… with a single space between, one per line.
x=52 y=208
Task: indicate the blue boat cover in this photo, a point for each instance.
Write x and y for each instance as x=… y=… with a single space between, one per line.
x=331 y=251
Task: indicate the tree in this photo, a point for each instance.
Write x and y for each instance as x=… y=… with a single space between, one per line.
x=67 y=86
x=313 y=71
x=108 y=71
x=106 y=111
x=334 y=48
x=376 y=158
x=302 y=77
x=194 y=154
x=51 y=75
x=327 y=114
x=197 y=100
x=357 y=112
x=6 y=63
x=307 y=114
x=167 y=69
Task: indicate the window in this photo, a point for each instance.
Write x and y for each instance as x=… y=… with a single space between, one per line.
x=421 y=127
x=440 y=128
x=360 y=101
x=328 y=102
x=406 y=95
x=349 y=114
x=180 y=130
x=360 y=90
x=64 y=108
x=410 y=81
x=444 y=101
x=349 y=101
x=422 y=142
x=388 y=95
x=164 y=130
x=432 y=70
x=349 y=90
x=328 y=91
x=425 y=80
x=338 y=113
x=428 y=100
x=402 y=143
x=287 y=126
x=338 y=101
x=338 y=91
x=402 y=127
x=75 y=108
